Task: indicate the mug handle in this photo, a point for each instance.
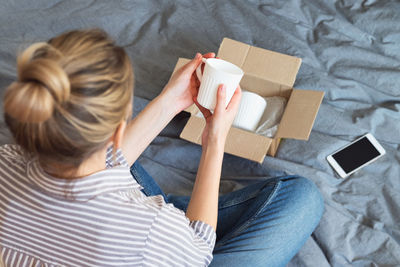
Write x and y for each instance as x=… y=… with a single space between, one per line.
x=198 y=70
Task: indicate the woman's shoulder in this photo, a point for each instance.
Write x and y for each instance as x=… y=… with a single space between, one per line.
x=13 y=152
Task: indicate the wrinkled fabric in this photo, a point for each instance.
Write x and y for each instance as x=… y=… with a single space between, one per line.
x=350 y=50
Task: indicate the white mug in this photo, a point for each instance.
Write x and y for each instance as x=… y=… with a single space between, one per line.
x=250 y=111
x=217 y=72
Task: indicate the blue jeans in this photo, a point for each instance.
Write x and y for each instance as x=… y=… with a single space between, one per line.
x=263 y=224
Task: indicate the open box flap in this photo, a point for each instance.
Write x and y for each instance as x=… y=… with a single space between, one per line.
x=239 y=142
x=233 y=51
x=264 y=87
x=300 y=113
x=262 y=63
x=247 y=144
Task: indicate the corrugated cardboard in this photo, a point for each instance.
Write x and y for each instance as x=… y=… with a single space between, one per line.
x=267 y=73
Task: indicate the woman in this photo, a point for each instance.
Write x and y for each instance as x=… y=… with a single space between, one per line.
x=67 y=194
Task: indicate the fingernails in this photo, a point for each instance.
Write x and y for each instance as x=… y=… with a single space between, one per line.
x=197 y=56
x=223 y=88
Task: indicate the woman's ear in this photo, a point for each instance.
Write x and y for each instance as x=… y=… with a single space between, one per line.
x=119 y=135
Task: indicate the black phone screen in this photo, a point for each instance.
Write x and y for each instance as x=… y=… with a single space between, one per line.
x=356 y=154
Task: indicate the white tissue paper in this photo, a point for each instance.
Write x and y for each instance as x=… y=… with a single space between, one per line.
x=269 y=122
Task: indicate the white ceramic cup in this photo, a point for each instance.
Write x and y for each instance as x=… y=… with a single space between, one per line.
x=217 y=72
x=251 y=109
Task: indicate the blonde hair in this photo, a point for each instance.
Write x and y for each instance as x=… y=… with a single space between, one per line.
x=70 y=96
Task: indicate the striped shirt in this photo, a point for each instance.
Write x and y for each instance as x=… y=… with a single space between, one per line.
x=100 y=220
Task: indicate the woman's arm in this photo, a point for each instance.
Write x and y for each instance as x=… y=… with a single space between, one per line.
x=176 y=96
x=203 y=205
x=146 y=126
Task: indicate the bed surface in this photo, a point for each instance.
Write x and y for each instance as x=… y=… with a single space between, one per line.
x=350 y=50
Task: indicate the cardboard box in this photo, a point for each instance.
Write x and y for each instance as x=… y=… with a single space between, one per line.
x=267 y=73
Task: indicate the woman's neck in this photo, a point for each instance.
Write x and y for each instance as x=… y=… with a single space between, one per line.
x=95 y=163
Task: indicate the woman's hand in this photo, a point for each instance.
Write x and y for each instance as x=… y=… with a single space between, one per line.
x=219 y=123
x=183 y=86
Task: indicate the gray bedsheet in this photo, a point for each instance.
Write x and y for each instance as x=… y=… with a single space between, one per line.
x=350 y=50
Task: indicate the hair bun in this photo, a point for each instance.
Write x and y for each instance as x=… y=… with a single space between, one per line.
x=42 y=84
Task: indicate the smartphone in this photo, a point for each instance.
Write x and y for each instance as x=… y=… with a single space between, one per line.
x=356 y=155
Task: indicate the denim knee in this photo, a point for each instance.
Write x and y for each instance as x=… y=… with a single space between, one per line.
x=306 y=198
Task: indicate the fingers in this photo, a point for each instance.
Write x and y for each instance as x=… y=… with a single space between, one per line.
x=209 y=55
x=193 y=64
x=195 y=80
x=221 y=96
